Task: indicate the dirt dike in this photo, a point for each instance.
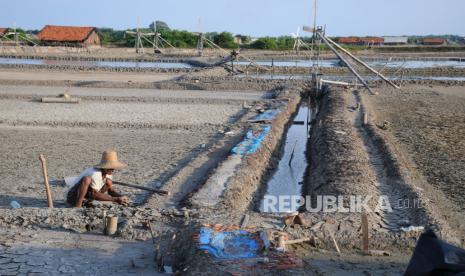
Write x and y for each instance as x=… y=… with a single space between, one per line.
x=83 y=68
x=228 y=85
x=340 y=165
x=443 y=210
x=113 y=53
x=205 y=80
x=434 y=71
x=337 y=165
x=247 y=180
x=200 y=67
x=380 y=83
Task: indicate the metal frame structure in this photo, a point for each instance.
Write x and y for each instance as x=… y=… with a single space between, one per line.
x=320 y=36
x=157 y=42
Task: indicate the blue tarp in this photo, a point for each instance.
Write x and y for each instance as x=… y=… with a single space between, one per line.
x=236 y=244
x=252 y=142
x=268 y=115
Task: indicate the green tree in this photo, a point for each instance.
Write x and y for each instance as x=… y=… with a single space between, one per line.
x=265 y=43
x=225 y=40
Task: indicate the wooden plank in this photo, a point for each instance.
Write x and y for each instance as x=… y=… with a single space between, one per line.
x=162 y=192
x=61 y=100
x=365 y=233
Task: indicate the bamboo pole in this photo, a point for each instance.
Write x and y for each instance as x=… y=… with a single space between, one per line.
x=363 y=63
x=47 y=186
x=162 y=192
x=336 y=82
x=325 y=40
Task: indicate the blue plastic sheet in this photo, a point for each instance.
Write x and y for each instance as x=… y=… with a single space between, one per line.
x=252 y=141
x=268 y=115
x=237 y=244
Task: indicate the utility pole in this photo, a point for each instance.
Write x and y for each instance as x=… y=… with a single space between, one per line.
x=200 y=44
x=155 y=38
x=16 y=33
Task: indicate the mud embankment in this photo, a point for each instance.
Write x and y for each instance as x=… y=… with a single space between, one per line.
x=210 y=84
x=400 y=165
x=349 y=159
x=343 y=71
x=248 y=179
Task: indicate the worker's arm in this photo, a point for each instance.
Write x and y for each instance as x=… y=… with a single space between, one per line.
x=109 y=188
x=106 y=197
x=101 y=196
x=117 y=197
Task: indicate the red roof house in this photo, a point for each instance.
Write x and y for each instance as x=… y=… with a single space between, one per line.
x=69 y=36
x=434 y=41
x=349 y=40
x=3 y=31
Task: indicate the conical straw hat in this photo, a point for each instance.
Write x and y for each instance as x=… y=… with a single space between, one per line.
x=110 y=161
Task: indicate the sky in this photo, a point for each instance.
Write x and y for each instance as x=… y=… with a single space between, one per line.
x=248 y=17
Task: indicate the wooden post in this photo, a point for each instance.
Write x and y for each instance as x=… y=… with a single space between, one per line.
x=245 y=221
x=104 y=221
x=111 y=225
x=365 y=118
x=365 y=233
x=47 y=186
x=281 y=242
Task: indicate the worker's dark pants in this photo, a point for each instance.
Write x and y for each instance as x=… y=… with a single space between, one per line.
x=73 y=194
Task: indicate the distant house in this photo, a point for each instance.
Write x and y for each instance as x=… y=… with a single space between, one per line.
x=69 y=36
x=395 y=40
x=3 y=31
x=434 y=41
x=361 y=40
x=372 y=40
x=349 y=40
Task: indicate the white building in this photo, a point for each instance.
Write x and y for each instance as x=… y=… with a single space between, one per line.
x=395 y=40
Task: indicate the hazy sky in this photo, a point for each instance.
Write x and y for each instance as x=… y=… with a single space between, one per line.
x=251 y=17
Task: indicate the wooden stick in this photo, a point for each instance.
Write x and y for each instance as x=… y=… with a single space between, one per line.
x=162 y=192
x=335 y=244
x=245 y=221
x=298 y=241
x=104 y=221
x=47 y=186
x=60 y=100
x=365 y=233
x=335 y=82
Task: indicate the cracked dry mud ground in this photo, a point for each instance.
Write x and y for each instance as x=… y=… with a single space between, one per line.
x=51 y=252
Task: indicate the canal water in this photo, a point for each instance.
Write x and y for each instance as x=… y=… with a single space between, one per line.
x=114 y=64
x=330 y=63
x=287 y=179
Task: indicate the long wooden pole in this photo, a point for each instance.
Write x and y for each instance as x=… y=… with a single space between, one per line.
x=363 y=63
x=47 y=185
x=347 y=64
x=141 y=188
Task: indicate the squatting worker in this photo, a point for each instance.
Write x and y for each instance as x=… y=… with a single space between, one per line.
x=94 y=183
